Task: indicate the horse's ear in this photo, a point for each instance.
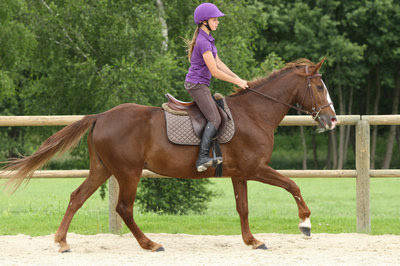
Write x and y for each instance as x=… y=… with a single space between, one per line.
x=319 y=65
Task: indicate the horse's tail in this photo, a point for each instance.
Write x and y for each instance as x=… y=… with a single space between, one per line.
x=60 y=142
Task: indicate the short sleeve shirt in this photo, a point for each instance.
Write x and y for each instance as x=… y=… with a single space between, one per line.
x=198 y=72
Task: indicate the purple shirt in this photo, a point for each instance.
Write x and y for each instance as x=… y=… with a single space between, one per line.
x=198 y=72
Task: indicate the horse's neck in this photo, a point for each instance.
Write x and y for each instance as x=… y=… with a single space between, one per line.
x=262 y=109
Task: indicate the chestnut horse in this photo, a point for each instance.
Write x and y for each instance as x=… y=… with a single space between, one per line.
x=129 y=138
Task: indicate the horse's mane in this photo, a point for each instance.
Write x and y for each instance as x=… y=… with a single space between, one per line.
x=291 y=66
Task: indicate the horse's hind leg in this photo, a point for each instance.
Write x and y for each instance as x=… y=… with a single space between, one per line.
x=98 y=174
x=78 y=197
x=240 y=190
x=128 y=183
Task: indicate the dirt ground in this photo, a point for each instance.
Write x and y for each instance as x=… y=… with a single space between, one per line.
x=181 y=249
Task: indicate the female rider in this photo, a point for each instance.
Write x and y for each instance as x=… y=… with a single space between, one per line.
x=204 y=63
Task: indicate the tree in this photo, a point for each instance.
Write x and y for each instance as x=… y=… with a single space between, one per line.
x=17 y=45
x=375 y=24
x=392 y=133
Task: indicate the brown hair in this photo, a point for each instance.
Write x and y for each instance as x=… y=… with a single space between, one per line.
x=190 y=44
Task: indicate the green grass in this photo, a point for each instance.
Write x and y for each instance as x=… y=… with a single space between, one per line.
x=38 y=208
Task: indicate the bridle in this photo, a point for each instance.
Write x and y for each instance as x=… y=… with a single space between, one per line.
x=315 y=109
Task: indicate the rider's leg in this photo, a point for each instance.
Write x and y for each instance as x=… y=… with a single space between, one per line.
x=203 y=160
x=202 y=96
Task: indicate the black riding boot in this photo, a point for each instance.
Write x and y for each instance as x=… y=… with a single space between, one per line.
x=204 y=161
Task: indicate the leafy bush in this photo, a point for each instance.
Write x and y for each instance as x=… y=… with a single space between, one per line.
x=173 y=196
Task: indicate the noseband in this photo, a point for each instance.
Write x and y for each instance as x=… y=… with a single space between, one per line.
x=315 y=109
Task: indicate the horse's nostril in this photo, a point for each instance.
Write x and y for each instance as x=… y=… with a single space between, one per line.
x=333 y=120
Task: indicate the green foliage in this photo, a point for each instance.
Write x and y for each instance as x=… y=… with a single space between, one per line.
x=272 y=62
x=174 y=196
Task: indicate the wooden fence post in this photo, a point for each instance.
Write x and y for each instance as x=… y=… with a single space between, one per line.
x=114 y=220
x=363 y=167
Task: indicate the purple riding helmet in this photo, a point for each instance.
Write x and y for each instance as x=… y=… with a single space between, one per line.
x=205 y=11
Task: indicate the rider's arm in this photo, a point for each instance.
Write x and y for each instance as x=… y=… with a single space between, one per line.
x=219 y=74
x=221 y=66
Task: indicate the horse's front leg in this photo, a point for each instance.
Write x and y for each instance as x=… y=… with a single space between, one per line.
x=240 y=190
x=268 y=175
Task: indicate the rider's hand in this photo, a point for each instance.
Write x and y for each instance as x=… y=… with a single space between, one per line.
x=242 y=84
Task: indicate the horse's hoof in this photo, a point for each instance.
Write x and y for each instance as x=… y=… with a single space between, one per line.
x=306 y=231
x=263 y=246
x=159 y=249
x=259 y=245
x=64 y=248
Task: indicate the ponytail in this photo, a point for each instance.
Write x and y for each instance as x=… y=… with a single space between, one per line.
x=192 y=43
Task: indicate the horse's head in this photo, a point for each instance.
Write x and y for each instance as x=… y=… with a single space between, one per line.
x=298 y=82
x=314 y=97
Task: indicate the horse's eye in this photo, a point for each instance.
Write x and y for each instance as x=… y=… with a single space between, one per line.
x=320 y=87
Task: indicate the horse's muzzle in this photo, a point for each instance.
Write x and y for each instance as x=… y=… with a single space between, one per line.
x=326 y=122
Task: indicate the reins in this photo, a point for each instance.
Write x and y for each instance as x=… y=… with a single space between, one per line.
x=315 y=111
x=279 y=101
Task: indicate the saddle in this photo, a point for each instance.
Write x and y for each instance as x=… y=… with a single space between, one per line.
x=185 y=124
x=197 y=118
